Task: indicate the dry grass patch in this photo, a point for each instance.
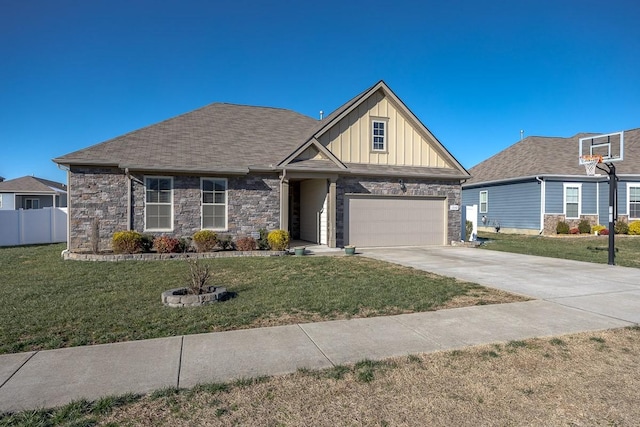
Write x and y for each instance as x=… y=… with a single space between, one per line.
x=583 y=379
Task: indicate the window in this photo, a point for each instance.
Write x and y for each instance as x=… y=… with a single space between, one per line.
x=572 y=200
x=378 y=131
x=633 y=191
x=214 y=203
x=31 y=203
x=484 y=201
x=159 y=203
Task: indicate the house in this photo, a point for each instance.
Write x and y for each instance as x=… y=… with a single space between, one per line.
x=532 y=185
x=368 y=174
x=30 y=192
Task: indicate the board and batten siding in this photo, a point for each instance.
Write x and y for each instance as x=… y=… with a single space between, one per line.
x=555 y=197
x=515 y=205
x=351 y=141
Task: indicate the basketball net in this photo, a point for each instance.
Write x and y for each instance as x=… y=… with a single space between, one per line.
x=590 y=162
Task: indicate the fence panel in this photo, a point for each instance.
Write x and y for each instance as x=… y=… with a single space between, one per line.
x=33 y=226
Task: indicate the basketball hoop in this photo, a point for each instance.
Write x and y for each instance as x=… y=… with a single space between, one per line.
x=590 y=161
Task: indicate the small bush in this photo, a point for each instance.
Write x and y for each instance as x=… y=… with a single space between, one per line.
x=584 y=227
x=278 y=240
x=574 y=230
x=603 y=232
x=621 y=227
x=246 y=244
x=263 y=242
x=199 y=276
x=598 y=228
x=205 y=240
x=127 y=242
x=634 y=228
x=226 y=243
x=468 y=229
x=562 y=228
x=166 y=245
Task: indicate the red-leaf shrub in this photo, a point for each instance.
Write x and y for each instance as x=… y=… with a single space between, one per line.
x=603 y=232
x=246 y=244
x=574 y=230
x=166 y=244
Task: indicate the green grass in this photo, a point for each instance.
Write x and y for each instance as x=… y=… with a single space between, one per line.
x=579 y=248
x=50 y=303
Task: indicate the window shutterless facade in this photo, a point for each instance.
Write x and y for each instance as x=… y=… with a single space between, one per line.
x=378 y=135
x=633 y=201
x=572 y=200
x=158 y=207
x=214 y=203
x=484 y=201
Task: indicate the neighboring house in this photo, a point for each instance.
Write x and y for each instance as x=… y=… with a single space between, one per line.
x=30 y=192
x=532 y=185
x=369 y=174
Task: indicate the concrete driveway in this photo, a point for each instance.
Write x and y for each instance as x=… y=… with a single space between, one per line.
x=603 y=289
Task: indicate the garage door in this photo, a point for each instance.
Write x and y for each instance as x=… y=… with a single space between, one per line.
x=394 y=221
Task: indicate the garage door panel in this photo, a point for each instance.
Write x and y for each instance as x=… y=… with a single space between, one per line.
x=395 y=221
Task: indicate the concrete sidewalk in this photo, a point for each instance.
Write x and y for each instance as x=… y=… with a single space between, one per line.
x=56 y=377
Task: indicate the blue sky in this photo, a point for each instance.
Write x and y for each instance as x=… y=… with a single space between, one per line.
x=74 y=72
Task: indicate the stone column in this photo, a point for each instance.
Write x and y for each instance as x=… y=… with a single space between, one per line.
x=284 y=203
x=332 y=202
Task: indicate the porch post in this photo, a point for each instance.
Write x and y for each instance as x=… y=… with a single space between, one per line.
x=284 y=203
x=332 y=213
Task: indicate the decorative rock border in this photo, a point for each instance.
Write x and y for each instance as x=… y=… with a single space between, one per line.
x=180 y=297
x=66 y=255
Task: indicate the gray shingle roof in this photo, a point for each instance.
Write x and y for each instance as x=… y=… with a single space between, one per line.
x=537 y=156
x=32 y=184
x=217 y=137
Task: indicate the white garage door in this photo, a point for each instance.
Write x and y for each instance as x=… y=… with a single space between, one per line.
x=394 y=221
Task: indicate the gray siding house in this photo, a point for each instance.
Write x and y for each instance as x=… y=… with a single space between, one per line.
x=369 y=174
x=30 y=192
x=537 y=182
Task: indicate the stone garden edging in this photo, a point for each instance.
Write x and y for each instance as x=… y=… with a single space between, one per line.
x=66 y=255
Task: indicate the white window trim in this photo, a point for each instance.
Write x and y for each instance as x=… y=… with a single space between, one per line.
x=564 y=199
x=384 y=120
x=629 y=185
x=145 y=202
x=226 y=203
x=486 y=202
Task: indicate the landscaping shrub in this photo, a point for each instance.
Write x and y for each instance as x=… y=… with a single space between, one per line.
x=246 y=244
x=584 y=227
x=562 y=228
x=199 y=276
x=226 y=243
x=166 y=244
x=598 y=228
x=468 y=229
x=574 y=230
x=127 y=242
x=278 y=240
x=634 y=228
x=147 y=242
x=604 y=232
x=263 y=242
x=621 y=227
x=205 y=240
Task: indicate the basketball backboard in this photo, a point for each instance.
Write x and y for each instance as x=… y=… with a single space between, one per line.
x=609 y=147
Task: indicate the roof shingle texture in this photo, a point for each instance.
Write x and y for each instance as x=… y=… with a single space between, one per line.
x=31 y=184
x=215 y=137
x=536 y=156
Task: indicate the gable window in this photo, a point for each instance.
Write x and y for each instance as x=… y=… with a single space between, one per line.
x=484 y=201
x=633 y=192
x=31 y=203
x=214 y=203
x=158 y=213
x=379 y=135
x=572 y=200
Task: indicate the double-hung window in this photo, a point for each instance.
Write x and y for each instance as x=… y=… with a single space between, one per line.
x=379 y=135
x=159 y=203
x=214 y=203
x=572 y=200
x=633 y=197
x=484 y=201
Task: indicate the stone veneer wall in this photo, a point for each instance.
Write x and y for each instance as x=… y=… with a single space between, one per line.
x=551 y=221
x=389 y=186
x=101 y=193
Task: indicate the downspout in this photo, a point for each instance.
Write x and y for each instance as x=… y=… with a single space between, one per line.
x=542 y=203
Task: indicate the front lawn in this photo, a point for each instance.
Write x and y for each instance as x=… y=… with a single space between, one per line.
x=579 y=248
x=50 y=303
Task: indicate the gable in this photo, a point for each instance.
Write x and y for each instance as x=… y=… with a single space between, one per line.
x=407 y=143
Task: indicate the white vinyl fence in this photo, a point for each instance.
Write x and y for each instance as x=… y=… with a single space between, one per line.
x=32 y=226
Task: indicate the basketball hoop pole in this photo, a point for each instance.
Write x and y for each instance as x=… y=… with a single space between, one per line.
x=613 y=187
